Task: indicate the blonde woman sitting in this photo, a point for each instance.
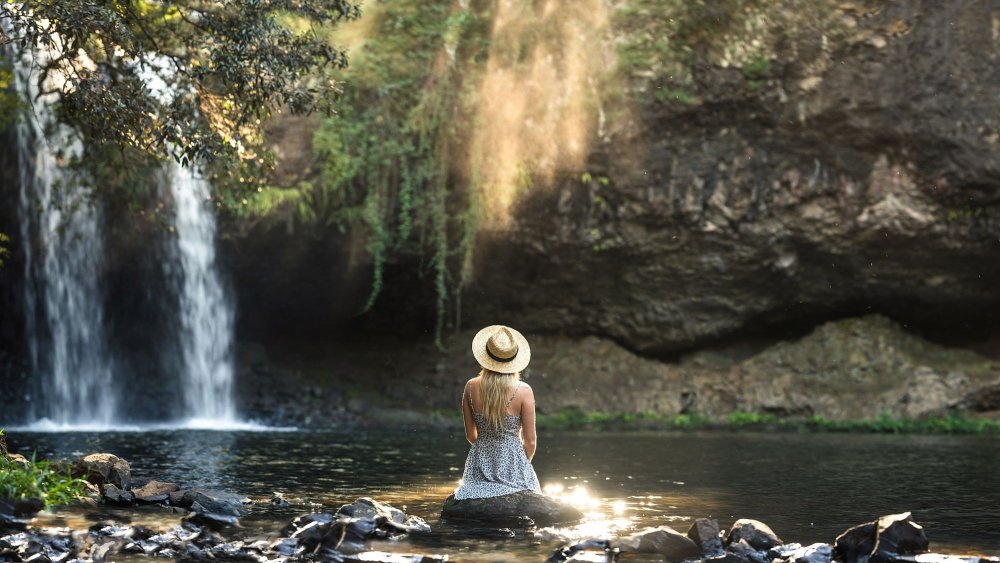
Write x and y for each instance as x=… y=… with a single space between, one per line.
x=499 y=412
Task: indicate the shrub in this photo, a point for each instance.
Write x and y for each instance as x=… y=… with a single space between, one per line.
x=38 y=479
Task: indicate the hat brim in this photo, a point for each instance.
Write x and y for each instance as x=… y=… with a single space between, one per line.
x=514 y=365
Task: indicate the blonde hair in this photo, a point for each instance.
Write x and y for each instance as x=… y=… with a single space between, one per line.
x=496 y=389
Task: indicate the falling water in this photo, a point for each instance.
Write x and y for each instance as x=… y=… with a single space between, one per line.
x=206 y=313
x=63 y=249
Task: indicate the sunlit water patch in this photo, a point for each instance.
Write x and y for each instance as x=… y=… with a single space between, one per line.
x=807 y=487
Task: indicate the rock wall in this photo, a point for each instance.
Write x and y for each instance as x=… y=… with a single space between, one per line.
x=853 y=369
x=860 y=172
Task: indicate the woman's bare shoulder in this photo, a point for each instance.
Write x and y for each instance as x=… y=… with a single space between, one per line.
x=527 y=388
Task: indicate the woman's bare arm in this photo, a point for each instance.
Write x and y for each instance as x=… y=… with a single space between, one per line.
x=471 y=434
x=528 y=422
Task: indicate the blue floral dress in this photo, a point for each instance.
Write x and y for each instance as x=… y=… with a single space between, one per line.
x=497 y=464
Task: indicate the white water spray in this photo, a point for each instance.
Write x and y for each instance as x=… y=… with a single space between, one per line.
x=63 y=248
x=206 y=313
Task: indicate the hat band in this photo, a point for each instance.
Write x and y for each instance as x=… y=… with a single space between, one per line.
x=498 y=358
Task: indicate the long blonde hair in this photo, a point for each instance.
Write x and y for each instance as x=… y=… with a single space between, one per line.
x=496 y=389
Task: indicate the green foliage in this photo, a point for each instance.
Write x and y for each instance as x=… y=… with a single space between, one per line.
x=384 y=159
x=230 y=65
x=664 y=38
x=678 y=95
x=574 y=418
x=740 y=419
x=10 y=102
x=39 y=479
x=757 y=68
x=885 y=423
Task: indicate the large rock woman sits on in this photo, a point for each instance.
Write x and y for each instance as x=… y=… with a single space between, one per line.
x=499 y=485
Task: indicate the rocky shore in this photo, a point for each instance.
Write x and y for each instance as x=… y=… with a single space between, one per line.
x=210 y=530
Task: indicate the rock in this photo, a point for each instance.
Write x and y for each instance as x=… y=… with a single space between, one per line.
x=211 y=501
x=103 y=468
x=286 y=547
x=277 y=499
x=742 y=552
x=541 y=509
x=176 y=497
x=783 y=551
x=705 y=533
x=664 y=540
x=941 y=558
x=366 y=507
x=203 y=516
x=310 y=527
x=350 y=535
x=815 y=553
x=39 y=545
x=155 y=491
x=569 y=553
x=882 y=540
x=898 y=534
x=18 y=513
x=855 y=543
x=756 y=533
x=215 y=509
x=114 y=495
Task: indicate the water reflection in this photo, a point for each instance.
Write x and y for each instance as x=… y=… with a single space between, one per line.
x=808 y=488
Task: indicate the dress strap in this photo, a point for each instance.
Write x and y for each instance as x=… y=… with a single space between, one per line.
x=511 y=399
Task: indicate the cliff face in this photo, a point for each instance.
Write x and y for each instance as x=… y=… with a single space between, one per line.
x=859 y=170
x=856 y=369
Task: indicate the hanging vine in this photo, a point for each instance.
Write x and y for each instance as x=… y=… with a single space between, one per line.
x=386 y=158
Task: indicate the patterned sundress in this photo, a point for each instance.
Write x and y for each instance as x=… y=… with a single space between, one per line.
x=497 y=464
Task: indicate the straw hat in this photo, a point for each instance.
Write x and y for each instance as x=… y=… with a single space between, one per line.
x=501 y=349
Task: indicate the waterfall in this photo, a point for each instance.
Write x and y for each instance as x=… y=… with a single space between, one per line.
x=63 y=250
x=206 y=312
x=61 y=232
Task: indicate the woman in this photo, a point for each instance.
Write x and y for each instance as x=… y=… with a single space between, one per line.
x=499 y=413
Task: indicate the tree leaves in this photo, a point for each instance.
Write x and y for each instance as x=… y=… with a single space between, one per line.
x=193 y=78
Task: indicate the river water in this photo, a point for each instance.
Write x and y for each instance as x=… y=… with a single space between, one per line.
x=807 y=487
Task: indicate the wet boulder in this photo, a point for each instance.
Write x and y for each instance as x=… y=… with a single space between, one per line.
x=513 y=508
x=571 y=552
x=41 y=545
x=366 y=507
x=215 y=509
x=705 y=533
x=664 y=540
x=115 y=495
x=855 y=543
x=331 y=535
x=220 y=502
x=742 y=552
x=814 y=553
x=756 y=533
x=155 y=492
x=103 y=468
x=898 y=534
x=882 y=540
x=18 y=513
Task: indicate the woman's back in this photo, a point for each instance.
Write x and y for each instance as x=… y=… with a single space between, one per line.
x=512 y=412
x=499 y=413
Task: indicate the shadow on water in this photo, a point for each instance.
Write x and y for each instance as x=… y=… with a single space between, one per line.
x=807 y=487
